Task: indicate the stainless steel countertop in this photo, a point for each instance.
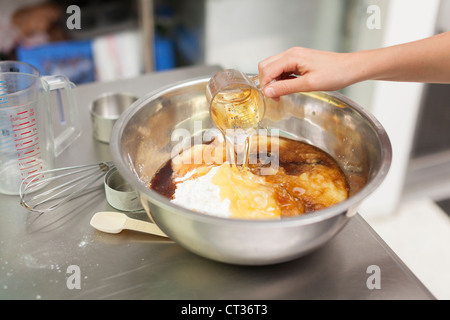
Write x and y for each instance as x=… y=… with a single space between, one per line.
x=37 y=253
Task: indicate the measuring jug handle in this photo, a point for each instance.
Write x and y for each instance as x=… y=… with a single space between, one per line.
x=254 y=78
x=68 y=112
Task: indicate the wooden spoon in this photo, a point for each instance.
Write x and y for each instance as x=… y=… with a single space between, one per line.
x=115 y=222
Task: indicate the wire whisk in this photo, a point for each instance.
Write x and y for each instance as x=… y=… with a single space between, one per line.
x=58 y=186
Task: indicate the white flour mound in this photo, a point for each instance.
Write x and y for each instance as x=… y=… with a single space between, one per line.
x=201 y=195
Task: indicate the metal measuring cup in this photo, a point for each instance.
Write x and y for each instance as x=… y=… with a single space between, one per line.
x=105 y=110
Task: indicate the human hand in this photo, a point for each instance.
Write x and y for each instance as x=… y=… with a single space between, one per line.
x=316 y=70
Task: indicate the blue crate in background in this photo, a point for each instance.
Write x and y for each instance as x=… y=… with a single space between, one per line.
x=72 y=59
x=75 y=59
x=164 y=53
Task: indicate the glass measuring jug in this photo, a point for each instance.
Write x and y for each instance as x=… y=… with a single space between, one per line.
x=236 y=103
x=37 y=122
x=237 y=107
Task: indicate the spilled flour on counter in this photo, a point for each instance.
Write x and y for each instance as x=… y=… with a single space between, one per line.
x=201 y=195
x=83 y=242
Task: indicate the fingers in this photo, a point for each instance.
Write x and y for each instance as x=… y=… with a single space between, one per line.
x=271 y=68
x=285 y=87
x=276 y=69
x=318 y=70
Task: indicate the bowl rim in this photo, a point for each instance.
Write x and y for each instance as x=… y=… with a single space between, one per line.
x=309 y=218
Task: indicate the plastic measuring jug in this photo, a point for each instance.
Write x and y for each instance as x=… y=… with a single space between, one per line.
x=37 y=122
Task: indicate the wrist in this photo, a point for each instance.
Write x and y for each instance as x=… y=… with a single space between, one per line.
x=360 y=67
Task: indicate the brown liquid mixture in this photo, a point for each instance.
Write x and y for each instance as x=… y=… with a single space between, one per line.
x=306 y=179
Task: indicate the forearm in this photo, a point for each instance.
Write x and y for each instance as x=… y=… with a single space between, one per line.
x=425 y=60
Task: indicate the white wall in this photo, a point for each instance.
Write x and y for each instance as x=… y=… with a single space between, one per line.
x=240 y=33
x=396 y=105
x=363 y=38
x=444 y=16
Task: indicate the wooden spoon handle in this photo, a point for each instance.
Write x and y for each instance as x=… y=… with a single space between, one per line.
x=142 y=226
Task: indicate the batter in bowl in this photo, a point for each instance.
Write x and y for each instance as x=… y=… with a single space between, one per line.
x=306 y=179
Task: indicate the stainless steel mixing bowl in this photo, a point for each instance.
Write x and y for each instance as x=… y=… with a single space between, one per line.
x=141 y=143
